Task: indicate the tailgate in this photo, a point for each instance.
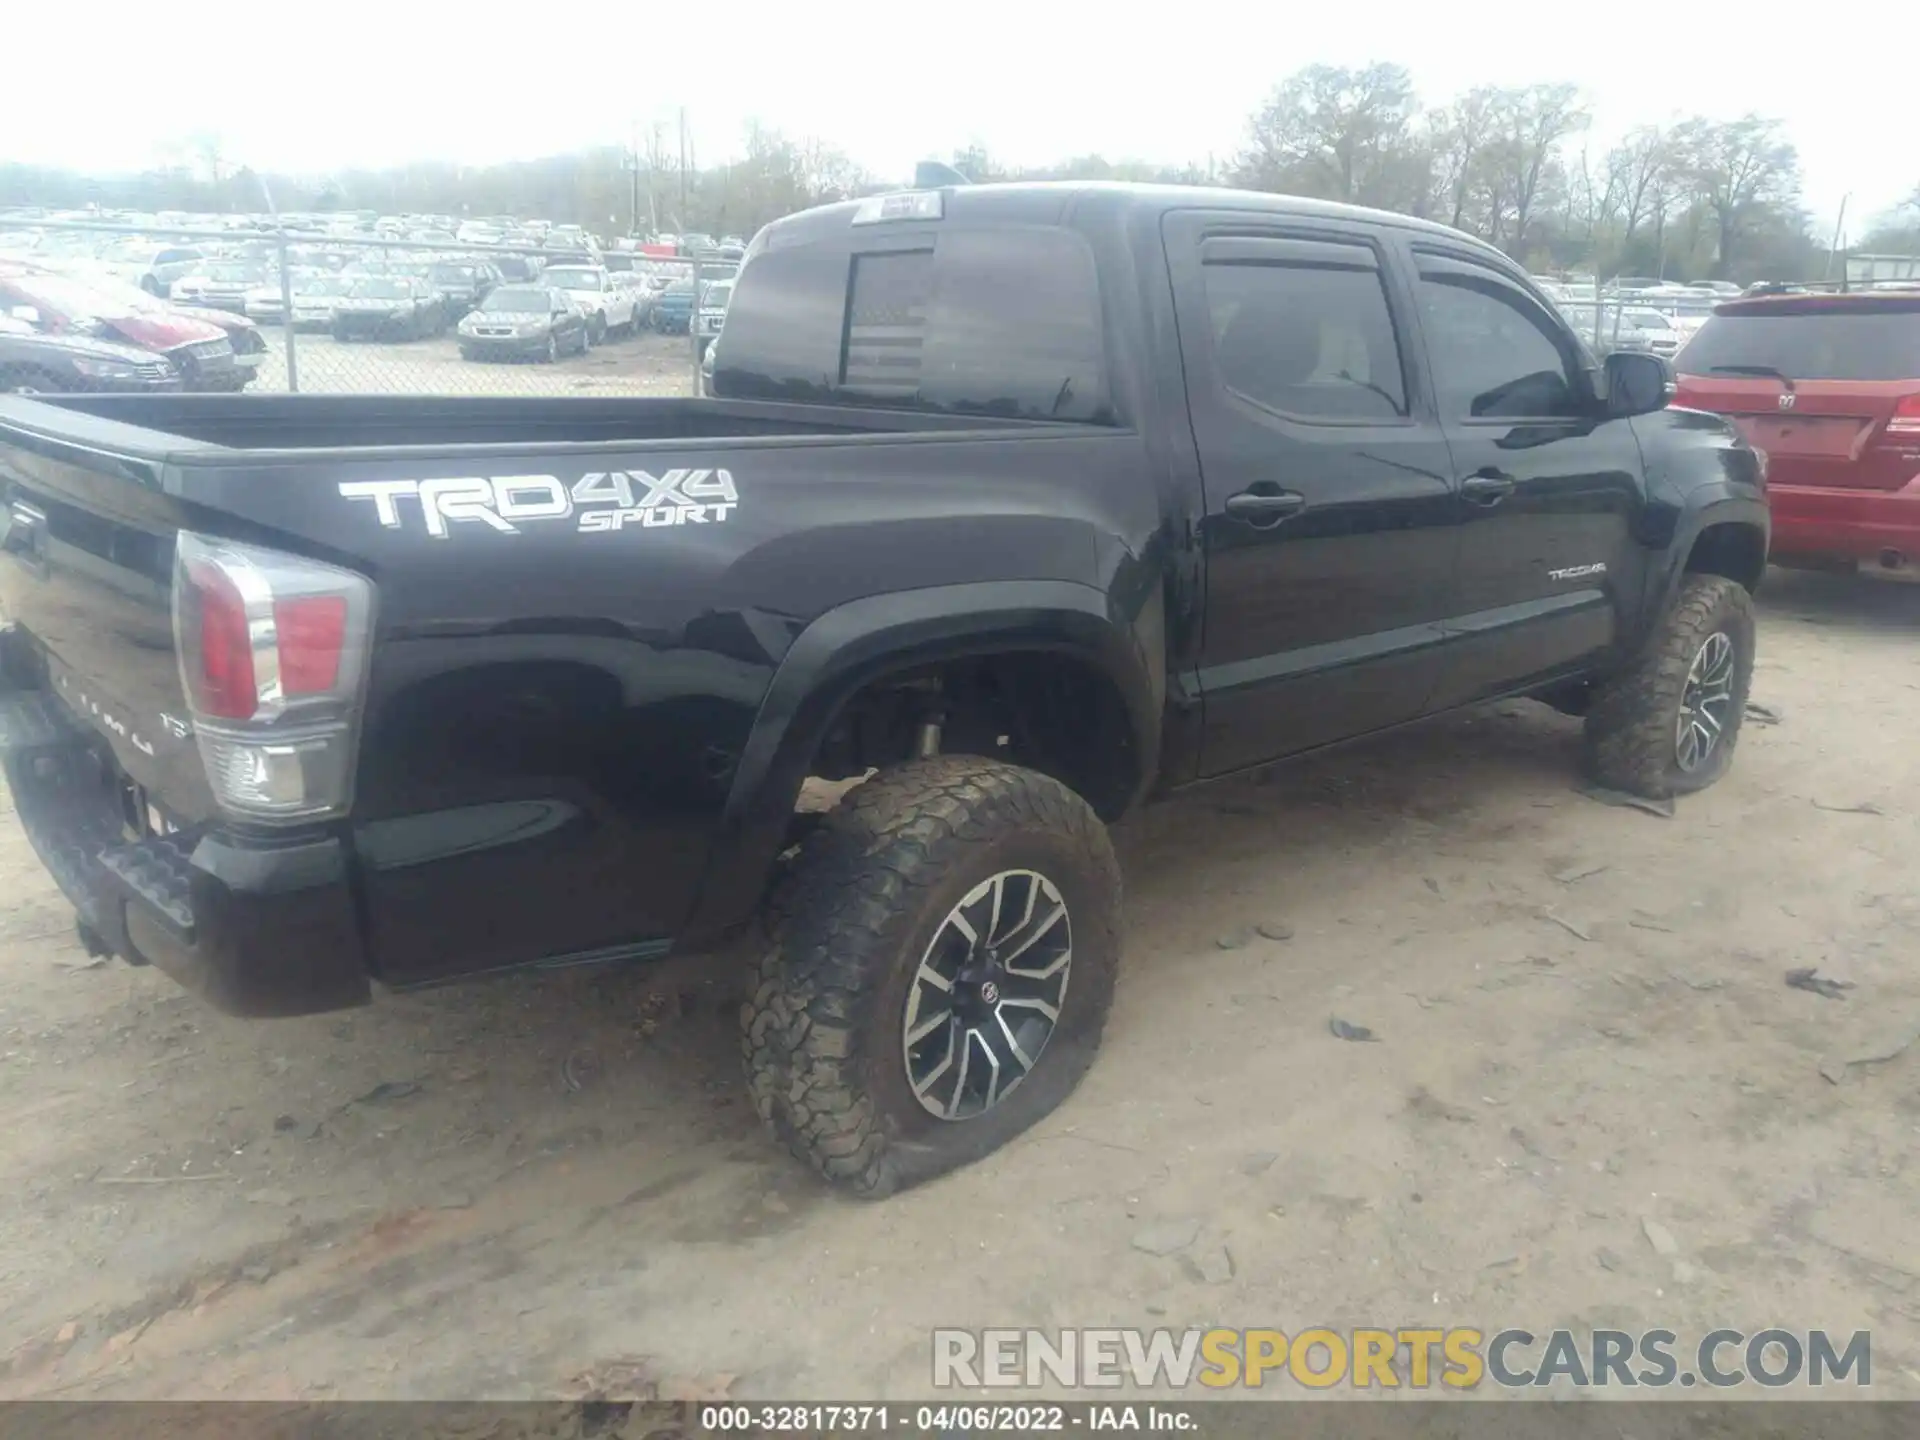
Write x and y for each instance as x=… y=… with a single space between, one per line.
x=1827 y=384
x=1827 y=433
x=86 y=559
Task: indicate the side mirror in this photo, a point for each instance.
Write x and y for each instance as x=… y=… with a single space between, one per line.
x=1638 y=382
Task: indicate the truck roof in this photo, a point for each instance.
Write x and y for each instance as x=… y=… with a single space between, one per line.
x=1864 y=302
x=1048 y=202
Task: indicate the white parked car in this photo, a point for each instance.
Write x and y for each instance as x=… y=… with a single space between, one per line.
x=151 y=265
x=314 y=299
x=592 y=289
x=221 y=284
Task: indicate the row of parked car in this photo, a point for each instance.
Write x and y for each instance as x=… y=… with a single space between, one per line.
x=408 y=295
x=61 y=332
x=59 y=307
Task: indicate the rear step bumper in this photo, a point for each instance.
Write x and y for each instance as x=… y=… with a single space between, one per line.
x=1823 y=522
x=254 y=928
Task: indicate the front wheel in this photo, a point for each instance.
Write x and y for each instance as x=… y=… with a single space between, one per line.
x=938 y=974
x=597 y=330
x=1668 y=724
x=552 y=353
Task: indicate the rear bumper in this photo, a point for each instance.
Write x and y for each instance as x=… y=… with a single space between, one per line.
x=253 y=927
x=1826 y=523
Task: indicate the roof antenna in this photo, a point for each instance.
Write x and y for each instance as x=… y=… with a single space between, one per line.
x=932 y=175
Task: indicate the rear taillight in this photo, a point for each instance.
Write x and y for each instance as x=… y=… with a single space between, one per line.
x=221 y=684
x=313 y=636
x=1906 y=416
x=273 y=657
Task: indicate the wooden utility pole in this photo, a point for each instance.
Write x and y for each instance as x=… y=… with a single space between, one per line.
x=633 y=162
x=683 y=166
x=1838 y=230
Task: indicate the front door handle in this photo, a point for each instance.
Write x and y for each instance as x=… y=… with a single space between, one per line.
x=1487 y=487
x=1264 y=506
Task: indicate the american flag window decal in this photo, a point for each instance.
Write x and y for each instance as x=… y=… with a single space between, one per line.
x=887 y=323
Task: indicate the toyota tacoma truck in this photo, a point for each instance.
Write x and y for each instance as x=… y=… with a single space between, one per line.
x=1016 y=506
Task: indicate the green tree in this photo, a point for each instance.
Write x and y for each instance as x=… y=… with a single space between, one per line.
x=1339 y=134
x=1745 y=175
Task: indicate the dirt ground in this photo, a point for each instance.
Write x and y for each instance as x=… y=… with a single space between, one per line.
x=1582 y=1022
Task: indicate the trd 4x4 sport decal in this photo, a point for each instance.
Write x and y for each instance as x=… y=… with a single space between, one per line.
x=613 y=500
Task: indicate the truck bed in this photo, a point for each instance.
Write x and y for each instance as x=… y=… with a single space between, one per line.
x=579 y=607
x=182 y=427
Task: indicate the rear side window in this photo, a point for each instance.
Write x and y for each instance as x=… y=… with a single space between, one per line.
x=1310 y=342
x=1811 y=344
x=1002 y=321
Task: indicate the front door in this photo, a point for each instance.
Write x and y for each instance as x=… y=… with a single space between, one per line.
x=1549 y=487
x=1330 y=519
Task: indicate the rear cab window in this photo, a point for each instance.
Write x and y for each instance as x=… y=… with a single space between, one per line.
x=1000 y=320
x=1818 y=338
x=1303 y=329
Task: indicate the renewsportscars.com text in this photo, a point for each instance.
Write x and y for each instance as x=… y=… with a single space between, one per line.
x=1365 y=1358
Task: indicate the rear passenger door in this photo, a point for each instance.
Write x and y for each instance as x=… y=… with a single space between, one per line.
x=1330 y=521
x=1550 y=488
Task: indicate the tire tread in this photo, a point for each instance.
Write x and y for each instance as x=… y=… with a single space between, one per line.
x=1630 y=727
x=816 y=969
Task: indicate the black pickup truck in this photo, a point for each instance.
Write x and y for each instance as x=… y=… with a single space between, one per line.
x=1026 y=503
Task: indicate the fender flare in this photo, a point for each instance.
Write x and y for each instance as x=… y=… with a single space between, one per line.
x=1713 y=504
x=855 y=643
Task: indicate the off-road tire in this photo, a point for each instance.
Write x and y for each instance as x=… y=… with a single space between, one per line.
x=843 y=933
x=1630 y=739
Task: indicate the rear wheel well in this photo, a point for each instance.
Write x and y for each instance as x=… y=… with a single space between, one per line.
x=1738 y=552
x=1056 y=713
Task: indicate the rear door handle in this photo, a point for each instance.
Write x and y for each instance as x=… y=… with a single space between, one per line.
x=1487 y=487
x=1263 y=507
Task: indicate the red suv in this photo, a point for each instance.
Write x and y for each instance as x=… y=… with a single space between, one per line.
x=1828 y=385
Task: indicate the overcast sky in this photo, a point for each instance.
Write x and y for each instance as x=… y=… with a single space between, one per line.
x=314 y=88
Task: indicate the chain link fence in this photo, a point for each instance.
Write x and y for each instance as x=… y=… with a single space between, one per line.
x=351 y=309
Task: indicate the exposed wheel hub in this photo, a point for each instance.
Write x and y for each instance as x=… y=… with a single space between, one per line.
x=1706 y=703
x=987 y=994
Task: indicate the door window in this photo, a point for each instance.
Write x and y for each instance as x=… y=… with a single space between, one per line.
x=1495 y=356
x=1310 y=342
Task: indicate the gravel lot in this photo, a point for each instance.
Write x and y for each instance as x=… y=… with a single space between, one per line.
x=644 y=364
x=1583 y=1027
